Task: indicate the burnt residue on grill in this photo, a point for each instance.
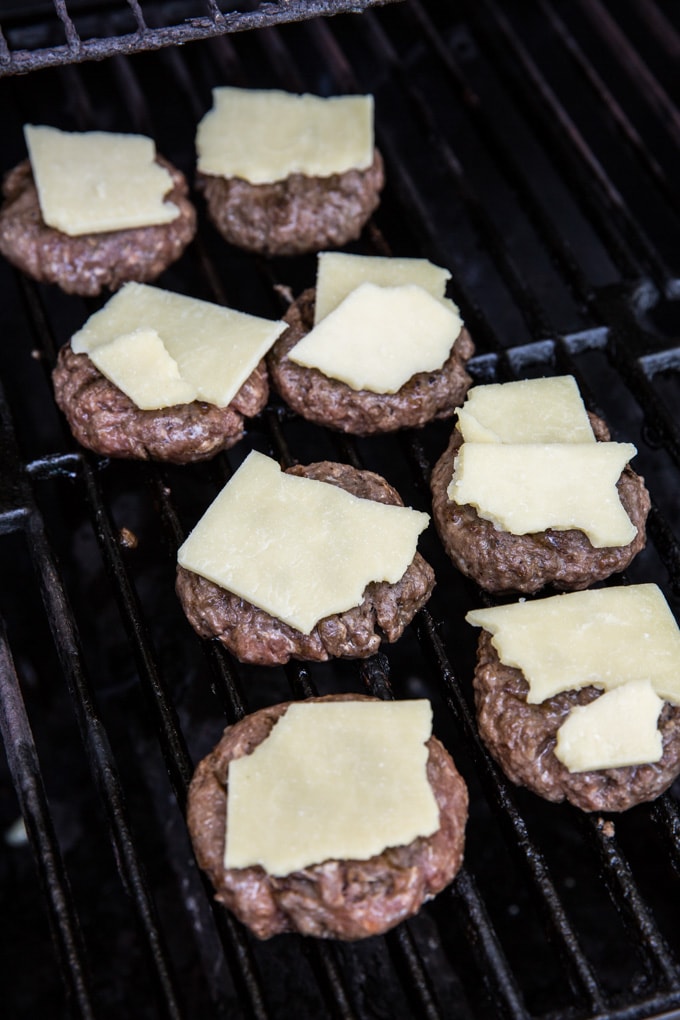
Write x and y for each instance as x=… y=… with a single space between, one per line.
x=530 y=148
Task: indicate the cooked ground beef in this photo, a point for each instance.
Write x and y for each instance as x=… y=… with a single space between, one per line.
x=90 y=262
x=501 y=562
x=334 y=899
x=105 y=420
x=522 y=738
x=425 y=397
x=297 y=215
x=252 y=635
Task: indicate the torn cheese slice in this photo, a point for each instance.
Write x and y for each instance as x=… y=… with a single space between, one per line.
x=604 y=637
x=139 y=365
x=266 y=135
x=617 y=729
x=298 y=548
x=332 y=781
x=528 y=488
x=379 y=337
x=215 y=348
x=338 y=274
x=95 y=181
x=547 y=410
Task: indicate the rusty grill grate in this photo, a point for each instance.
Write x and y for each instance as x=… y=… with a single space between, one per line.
x=531 y=149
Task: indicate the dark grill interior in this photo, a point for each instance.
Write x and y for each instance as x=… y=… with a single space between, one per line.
x=531 y=148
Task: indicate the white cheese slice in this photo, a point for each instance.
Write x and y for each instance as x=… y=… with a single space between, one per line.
x=527 y=488
x=338 y=781
x=139 y=365
x=338 y=274
x=604 y=637
x=297 y=548
x=215 y=348
x=95 y=181
x=379 y=337
x=618 y=729
x=547 y=410
x=266 y=135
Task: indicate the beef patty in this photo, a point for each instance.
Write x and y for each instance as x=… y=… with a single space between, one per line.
x=425 y=397
x=252 y=635
x=296 y=215
x=90 y=262
x=522 y=738
x=105 y=420
x=334 y=899
x=501 y=562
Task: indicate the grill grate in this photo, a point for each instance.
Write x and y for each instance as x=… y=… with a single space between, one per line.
x=531 y=150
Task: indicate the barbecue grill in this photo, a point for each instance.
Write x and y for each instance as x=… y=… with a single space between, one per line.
x=530 y=148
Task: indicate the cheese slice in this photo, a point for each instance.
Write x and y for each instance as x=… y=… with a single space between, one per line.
x=95 y=181
x=604 y=637
x=617 y=729
x=525 y=489
x=266 y=135
x=139 y=365
x=338 y=274
x=298 y=548
x=379 y=337
x=215 y=348
x=547 y=410
x=332 y=781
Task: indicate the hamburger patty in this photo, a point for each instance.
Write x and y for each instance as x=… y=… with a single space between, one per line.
x=252 y=635
x=296 y=215
x=334 y=899
x=501 y=562
x=104 y=419
x=90 y=262
x=425 y=397
x=521 y=737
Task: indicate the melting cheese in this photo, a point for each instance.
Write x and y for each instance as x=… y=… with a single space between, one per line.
x=617 y=729
x=604 y=637
x=338 y=274
x=264 y=135
x=528 y=411
x=379 y=337
x=528 y=488
x=96 y=181
x=215 y=348
x=332 y=781
x=298 y=548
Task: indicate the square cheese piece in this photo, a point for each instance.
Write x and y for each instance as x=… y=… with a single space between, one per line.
x=380 y=337
x=139 y=365
x=525 y=489
x=215 y=348
x=297 y=548
x=332 y=781
x=547 y=410
x=603 y=637
x=95 y=181
x=617 y=729
x=266 y=135
x=338 y=274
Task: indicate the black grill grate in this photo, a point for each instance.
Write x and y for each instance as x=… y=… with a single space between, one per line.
x=531 y=149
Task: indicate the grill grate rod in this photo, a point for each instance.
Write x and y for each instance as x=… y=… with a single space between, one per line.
x=24 y=765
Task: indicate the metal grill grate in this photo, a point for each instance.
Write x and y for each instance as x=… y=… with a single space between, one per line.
x=75 y=35
x=531 y=149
